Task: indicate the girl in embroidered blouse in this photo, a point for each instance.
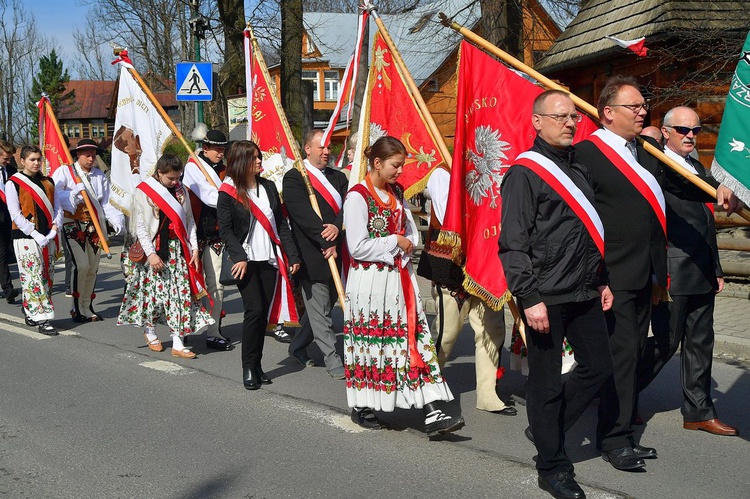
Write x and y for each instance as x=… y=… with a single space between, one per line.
x=258 y=241
x=163 y=288
x=36 y=215
x=389 y=357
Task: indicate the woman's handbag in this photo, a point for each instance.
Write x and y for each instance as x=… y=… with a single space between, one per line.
x=225 y=277
x=136 y=253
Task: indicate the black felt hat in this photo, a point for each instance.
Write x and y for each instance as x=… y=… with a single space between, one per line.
x=215 y=138
x=88 y=144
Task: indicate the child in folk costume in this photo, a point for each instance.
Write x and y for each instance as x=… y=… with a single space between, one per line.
x=165 y=287
x=36 y=216
x=389 y=356
x=259 y=244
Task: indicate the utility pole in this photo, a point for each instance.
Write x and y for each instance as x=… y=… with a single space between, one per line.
x=198 y=27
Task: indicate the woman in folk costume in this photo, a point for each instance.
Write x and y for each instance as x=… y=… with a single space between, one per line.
x=259 y=244
x=36 y=216
x=167 y=286
x=389 y=356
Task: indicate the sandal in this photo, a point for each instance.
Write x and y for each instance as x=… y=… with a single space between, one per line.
x=216 y=343
x=366 y=419
x=183 y=354
x=154 y=344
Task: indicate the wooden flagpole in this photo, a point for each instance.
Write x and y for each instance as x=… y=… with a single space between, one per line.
x=164 y=116
x=94 y=215
x=415 y=94
x=298 y=161
x=580 y=103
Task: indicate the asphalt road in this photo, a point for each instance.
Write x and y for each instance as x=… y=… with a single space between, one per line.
x=94 y=413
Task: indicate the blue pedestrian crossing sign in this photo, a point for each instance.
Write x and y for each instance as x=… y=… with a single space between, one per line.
x=194 y=81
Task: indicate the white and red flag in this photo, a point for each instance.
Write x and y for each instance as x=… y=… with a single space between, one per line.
x=638 y=46
x=141 y=135
x=493 y=126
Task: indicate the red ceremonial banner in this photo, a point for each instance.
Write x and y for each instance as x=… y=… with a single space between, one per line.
x=392 y=111
x=50 y=140
x=493 y=126
x=267 y=127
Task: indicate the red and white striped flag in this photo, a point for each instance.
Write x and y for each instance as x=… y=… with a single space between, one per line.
x=638 y=46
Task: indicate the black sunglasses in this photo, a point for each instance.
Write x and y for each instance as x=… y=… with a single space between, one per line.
x=684 y=130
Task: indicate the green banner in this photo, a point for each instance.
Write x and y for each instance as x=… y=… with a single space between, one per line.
x=731 y=165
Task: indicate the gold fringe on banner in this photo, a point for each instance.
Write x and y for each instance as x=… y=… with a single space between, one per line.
x=452 y=239
x=477 y=290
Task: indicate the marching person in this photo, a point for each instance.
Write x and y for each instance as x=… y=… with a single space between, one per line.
x=7 y=169
x=455 y=304
x=203 y=197
x=695 y=279
x=36 y=216
x=167 y=286
x=80 y=236
x=317 y=240
x=260 y=246
x=390 y=357
x=551 y=248
x=628 y=185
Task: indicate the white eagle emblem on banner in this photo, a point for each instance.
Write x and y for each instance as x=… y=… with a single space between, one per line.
x=488 y=161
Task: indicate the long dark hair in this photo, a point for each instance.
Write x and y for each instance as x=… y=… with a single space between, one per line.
x=239 y=157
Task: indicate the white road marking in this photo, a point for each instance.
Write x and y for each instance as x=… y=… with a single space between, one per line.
x=29 y=333
x=164 y=366
x=328 y=417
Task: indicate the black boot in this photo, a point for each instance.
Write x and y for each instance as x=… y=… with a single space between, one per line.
x=250 y=379
x=436 y=422
x=262 y=377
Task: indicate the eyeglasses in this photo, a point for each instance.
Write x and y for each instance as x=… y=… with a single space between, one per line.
x=684 y=130
x=563 y=118
x=633 y=107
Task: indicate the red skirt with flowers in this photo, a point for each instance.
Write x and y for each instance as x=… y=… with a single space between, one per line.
x=379 y=374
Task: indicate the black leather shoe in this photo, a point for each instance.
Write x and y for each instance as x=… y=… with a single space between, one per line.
x=644 y=452
x=250 y=379
x=366 y=419
x=508 y=411
x=561 y=485
x=30 y=322
x=78 y=318
x=11 y=296
x=217 y=343
x=623 y=459
x=262 y=377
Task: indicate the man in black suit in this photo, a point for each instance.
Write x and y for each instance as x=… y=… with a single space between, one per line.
x=628 y=185
x=7 y=169
x=695 y=278
x=317 y=240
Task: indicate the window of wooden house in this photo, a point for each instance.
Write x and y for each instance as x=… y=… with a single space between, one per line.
x=331 y=81
x=312 y=76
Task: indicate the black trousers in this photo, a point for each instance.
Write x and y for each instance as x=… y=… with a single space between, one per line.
x=627 y=322
x=687 y=320
x=6 y=254
x=553 y=406
x=256 y=290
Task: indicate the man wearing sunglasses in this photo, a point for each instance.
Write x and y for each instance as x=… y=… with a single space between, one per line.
x=629 y=188
x=696 y=277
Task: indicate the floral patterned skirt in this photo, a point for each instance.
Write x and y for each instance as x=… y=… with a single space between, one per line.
x=378 y=370
x=162 y=297
x=36 y=281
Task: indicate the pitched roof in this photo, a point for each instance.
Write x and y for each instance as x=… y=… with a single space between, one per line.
x=92 y=99
x=423 y=42
x=583 y=39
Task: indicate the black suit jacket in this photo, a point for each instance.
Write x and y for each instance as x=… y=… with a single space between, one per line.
x=307 y=226
x=236 y=222
x=634 y=243
x=5 y=221
x=692 y=254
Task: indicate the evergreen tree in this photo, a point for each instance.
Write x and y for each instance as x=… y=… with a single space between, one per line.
x=50 y=80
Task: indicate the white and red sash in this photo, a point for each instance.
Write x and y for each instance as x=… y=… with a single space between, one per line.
x=550 y=173
x=282 y=307
x=2 y=194
x=167 y=203
x=206 y=168
x=642 y=179
x=324 y=187
x=44 y=203
x=77 y=174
